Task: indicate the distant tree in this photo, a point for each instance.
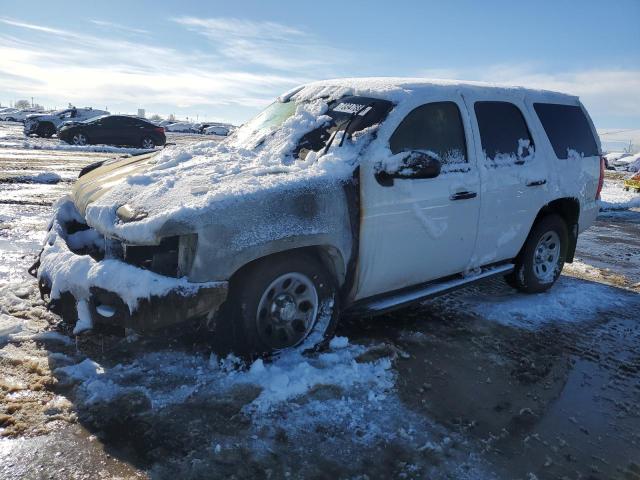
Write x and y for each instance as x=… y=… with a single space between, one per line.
x=20 y=104
x=155 y=117
x=171 y=118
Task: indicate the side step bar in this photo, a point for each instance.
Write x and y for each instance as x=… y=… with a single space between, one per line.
x=406 y=296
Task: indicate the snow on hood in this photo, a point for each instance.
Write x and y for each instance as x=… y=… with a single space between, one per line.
x=181 y=182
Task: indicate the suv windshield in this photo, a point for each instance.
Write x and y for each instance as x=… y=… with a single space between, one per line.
x=350 y=113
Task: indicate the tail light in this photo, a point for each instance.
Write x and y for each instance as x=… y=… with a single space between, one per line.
x=601 y=180
x=159 y=130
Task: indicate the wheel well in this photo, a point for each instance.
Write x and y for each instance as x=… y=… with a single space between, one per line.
x=329 y=256
x=569 y=210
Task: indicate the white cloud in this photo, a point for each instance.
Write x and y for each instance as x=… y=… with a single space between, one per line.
x=605 y=92
x=118 y=27
x=267 y=44
x=107 y=70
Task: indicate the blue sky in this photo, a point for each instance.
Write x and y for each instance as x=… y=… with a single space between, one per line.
x=226 y=60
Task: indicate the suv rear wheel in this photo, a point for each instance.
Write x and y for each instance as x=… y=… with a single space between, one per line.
x=281 y=302
x=540 y=263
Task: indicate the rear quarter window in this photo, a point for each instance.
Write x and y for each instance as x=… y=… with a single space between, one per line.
x=504 y=133
x=567 y=128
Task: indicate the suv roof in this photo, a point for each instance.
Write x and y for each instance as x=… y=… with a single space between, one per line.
x=392 y=87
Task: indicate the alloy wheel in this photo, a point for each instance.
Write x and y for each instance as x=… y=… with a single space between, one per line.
x=79 y=139
x=148 y=143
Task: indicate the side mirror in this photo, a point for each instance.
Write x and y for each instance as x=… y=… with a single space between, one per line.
x=416 y=164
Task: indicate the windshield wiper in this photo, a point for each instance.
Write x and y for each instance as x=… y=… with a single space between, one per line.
x=347 y=124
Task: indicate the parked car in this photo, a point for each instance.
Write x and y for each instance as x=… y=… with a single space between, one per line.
x=628 y=162
x=15 y=115
x=216 y=130
x=182 y=127
x=114 y=130
x=46 y=125
x=354 y=196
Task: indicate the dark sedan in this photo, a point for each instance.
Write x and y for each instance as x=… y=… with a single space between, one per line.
x=114 y=130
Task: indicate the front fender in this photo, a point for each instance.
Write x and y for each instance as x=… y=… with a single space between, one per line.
x=307 y=216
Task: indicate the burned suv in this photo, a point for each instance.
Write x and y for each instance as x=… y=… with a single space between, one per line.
x=356 y=196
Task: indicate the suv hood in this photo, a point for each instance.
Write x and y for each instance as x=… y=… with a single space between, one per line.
x=182 y=190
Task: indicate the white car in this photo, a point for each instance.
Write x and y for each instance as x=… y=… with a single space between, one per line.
x=354 y=196
x=15 y=115
x=623 y=162
x=632 y=163
x=216 y=130
x=182 y=127
x=45 y=125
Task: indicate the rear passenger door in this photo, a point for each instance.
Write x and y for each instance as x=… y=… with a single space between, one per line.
x=418 y=229
x=109 y=131
x=513 y=176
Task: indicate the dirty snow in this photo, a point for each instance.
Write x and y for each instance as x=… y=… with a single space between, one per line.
x=614 y=197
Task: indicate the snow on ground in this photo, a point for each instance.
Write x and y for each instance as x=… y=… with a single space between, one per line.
x=370 y=403
x=569 y=301
x=614 y=196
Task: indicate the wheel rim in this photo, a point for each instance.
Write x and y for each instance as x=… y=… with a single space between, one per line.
x=148 y=143
x=287 y=311
x=546 y=257
x=79 y=139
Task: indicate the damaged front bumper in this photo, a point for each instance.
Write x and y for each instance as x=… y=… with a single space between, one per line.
x=107 y=293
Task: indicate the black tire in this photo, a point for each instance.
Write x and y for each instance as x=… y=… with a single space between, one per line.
x=239 y=320
x=45 y=130
x=526 y=276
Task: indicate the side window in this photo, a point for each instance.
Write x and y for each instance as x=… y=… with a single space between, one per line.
x=503 y=132
x=433 y=127
x=111 y=122
x=567 y=128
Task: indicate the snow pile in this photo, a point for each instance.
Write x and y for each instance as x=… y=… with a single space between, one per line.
x=44 y=177
x=8 y=325
x=569 y=301
x=614 y=197
x=289 y=376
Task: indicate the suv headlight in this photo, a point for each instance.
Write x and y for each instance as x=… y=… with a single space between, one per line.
x=173 y=257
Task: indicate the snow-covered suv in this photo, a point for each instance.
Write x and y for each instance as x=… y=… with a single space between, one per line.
x=347 y=196
x=45 y=125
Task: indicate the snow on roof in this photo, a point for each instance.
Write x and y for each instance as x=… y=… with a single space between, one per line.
x=394 y=87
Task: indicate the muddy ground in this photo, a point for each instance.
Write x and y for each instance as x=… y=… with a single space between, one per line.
x=481 y=383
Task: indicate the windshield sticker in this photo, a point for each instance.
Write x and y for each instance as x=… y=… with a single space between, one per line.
x=351 y=108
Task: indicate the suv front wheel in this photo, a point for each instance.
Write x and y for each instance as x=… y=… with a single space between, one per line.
x=281 y=302
x=540 y=263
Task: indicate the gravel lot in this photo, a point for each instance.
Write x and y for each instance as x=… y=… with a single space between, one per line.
x=481 y=383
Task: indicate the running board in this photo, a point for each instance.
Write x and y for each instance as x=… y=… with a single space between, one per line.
x=401 y=298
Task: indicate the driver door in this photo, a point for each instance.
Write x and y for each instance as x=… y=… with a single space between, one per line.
x=419 y=229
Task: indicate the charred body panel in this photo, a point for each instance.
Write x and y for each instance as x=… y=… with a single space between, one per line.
x=308 y=216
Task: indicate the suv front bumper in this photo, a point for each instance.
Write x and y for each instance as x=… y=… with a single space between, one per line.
x=106 y=294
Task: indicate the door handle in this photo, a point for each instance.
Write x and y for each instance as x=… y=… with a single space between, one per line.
x=536 y=183
x=463 y=195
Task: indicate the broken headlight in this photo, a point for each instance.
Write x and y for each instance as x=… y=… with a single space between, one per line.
x=172 y=257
